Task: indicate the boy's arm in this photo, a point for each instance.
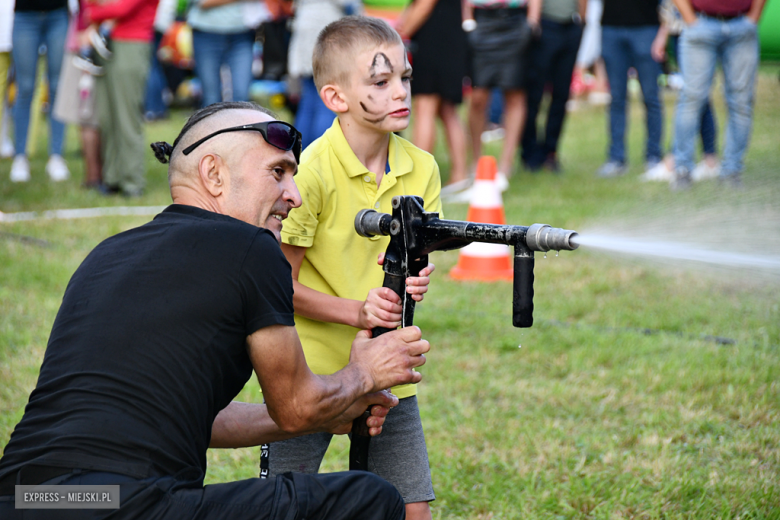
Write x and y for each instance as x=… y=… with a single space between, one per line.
x=382 y=307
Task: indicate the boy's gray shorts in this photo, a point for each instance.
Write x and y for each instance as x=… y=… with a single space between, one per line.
x=398 y=454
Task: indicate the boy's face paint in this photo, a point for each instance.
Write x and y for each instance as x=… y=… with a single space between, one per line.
x=380 y=93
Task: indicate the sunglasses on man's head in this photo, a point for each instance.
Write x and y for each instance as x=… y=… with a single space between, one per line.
x=276 y=133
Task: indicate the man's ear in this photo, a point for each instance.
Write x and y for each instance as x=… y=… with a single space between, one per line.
x=212 y=171
x=334 y=99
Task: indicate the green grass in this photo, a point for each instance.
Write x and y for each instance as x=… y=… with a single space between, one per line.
x=614 y=405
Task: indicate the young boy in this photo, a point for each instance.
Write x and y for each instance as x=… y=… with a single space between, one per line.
x=363 y=75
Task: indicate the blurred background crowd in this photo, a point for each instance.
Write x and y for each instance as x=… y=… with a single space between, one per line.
x=109 y=66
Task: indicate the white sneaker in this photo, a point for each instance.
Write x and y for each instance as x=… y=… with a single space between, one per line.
x=489 y=136
x=501 y=181
x=460 y=197
x=7 y=149
x=704 y=171
x=456 y=187
x=20 y=169
x=57 y=169
x=599 y=98
x=659 y=172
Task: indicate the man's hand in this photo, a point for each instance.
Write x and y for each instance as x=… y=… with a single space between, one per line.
x=342 y=424
x=658 y=47
x=390 y=359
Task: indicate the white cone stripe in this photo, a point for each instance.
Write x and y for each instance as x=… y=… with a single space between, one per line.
x=482 y=250
x=485 y=194
x=65 y=214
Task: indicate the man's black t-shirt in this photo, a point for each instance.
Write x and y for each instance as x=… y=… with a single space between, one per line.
x=630 y=13
x=150 y=344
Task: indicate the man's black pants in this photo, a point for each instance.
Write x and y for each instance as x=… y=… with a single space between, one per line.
x=335 y=496
x=551 y=59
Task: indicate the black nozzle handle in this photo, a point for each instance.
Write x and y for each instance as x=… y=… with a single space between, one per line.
x=523 y=290
x=358 y=447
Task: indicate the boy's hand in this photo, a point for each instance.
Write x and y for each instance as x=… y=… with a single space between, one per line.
x=382 y=308
x=416 y=286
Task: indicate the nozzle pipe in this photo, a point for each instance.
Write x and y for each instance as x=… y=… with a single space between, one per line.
x=369 y=222
x=542 y=237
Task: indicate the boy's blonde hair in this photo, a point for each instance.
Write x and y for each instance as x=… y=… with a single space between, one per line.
x=340 y=41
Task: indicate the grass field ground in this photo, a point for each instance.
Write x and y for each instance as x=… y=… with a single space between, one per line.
x=616 y=404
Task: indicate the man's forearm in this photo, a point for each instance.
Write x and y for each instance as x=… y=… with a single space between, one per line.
x=756 y=9
x=241 y=425
x=686 y=11
x=534 y=11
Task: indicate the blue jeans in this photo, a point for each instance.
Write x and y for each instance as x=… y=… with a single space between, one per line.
x=551 y=60
x=735 y=44
x=623 y=48
x=154 y=104
x=211 y=50
x=709 y=128
x=31 y=30
x=312 y=117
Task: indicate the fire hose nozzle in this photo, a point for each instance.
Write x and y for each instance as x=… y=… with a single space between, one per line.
x=369 y=223
x=542 y=237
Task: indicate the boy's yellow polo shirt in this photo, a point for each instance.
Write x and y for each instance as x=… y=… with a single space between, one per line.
x=334 y=187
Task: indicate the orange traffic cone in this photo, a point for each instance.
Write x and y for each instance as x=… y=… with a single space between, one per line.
x=480 y=261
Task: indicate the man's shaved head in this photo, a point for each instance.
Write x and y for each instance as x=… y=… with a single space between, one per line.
x=236 y=173
x=203 y=122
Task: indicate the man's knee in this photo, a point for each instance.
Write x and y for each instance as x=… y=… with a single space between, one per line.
x=355 y=494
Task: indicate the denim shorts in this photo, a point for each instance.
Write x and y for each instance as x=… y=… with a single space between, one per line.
x=398 y=454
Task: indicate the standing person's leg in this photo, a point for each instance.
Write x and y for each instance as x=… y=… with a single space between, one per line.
x=5 y=65
x=740 y=65
x=300 y=454
x=708 y=123
x=648 y=70
x=106 y=104
x=538 y=71
x=480 y=97
x=207 y=49
x=93 y=165
x=154 y=104
x=456 y=140
x=399 y=455
x=304 y=115
x=426 y=108
x=27 y=38
x=514 y=120
x=127 y=80
x=6 y=142
x=563 y=67
x=698 y=53
x=312 y=118
x=238 y=58
x=615 y=52
x=56 y=30
x=709 y=131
